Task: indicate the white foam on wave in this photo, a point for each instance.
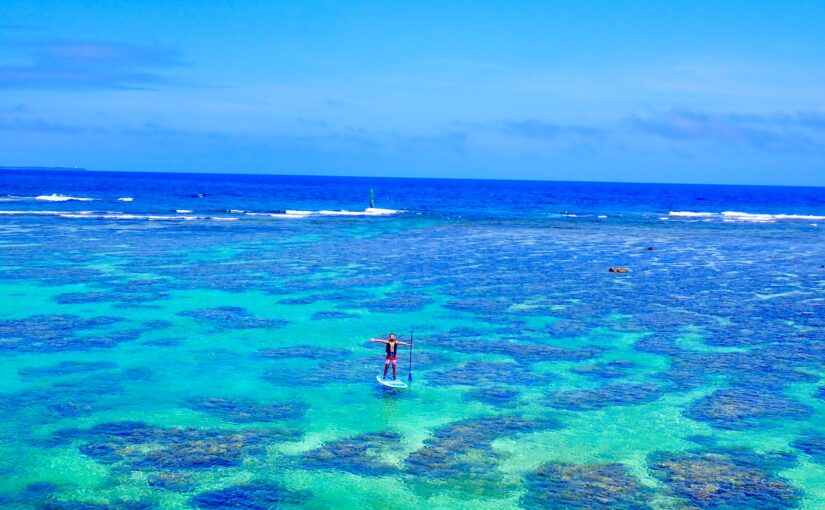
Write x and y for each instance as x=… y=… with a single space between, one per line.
x=116 y=215
x=602 y=217
x=742 y=216
x=690 y=214
x=369 y=211
x=37 y=213
x=297 y=213
x=126 y=199
x=54 y=197
x=736 y=216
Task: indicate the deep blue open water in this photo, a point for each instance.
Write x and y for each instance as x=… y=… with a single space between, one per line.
x=201 y=341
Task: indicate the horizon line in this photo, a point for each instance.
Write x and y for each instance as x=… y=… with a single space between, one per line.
x=47 y=169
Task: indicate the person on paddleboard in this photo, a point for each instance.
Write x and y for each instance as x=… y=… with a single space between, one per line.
x=391 y=348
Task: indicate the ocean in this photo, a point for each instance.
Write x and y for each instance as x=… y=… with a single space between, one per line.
x=181 y=341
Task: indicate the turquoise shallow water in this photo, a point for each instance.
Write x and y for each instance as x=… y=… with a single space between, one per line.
x=226 y=364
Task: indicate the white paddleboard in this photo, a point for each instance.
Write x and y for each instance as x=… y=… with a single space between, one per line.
x=389 y=383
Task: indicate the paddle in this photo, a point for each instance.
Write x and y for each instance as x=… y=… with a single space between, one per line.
x=409 y=374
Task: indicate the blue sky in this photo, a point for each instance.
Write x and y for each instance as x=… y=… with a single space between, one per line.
x=723 y=92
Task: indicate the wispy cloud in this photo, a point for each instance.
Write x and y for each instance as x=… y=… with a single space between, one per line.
x=38 y=125
x=543 y=130
x=89 y=65
x=776 y=132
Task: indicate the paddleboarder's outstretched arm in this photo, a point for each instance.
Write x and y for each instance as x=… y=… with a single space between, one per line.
x=404 y=343
x=379 y=341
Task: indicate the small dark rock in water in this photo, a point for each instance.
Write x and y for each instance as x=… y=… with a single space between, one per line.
x=251 y=496
x=618 y=270
x=725 y=479
x=604 y=486
x=650 y=248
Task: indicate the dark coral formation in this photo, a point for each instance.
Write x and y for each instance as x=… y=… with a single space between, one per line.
x=137 y=445
x=567 y=328
x=56 y=504
x=489 y=372
x=606 y=370
x=303 y=351
x=349 y=370
x=175 y=481
x=358 y=454
x=520 y=351
x=332 y=315
x=239 y=410
x=251 y=496
x=54 y=333
x=812 y=443
x=600 y=486
x=738 y=408
x=459 y=455
x=69 y=398
x=226 y=318
x=499 y=397
x=725 y=479
x=66 y=368
x=397 y=302
x=604 y=396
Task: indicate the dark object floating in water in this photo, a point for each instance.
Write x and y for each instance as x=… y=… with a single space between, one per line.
x=599 y=486
x=618 y=270
x=650 y=248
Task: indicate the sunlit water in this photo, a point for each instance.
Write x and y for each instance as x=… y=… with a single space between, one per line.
x=205 y=344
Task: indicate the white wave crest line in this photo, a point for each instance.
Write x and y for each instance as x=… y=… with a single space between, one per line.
x=734 y=216
x=690 y=214
x=54 y=197
x=126 y=199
